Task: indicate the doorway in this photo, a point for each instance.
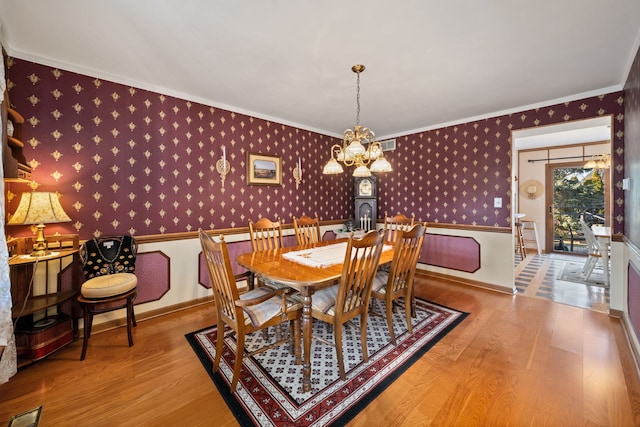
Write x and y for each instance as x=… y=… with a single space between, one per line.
x=575 y=192
x=536 y=152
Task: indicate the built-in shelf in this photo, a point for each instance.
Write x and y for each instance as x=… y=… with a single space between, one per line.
x=13 y=158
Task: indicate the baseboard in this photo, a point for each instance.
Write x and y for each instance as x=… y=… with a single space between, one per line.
x=460 y=280
x=116 y=323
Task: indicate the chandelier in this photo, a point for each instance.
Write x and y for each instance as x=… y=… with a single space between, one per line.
x=353 y=151
x=599 y=161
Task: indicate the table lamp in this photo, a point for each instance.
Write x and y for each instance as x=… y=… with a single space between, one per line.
x=39 y=208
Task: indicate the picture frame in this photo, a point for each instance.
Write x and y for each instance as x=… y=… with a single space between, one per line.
x=264 y=169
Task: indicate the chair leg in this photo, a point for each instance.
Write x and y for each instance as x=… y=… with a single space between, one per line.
x=130 y=320
x=408 y=312
x=392 y=334
x=363 y=336
x=219 y=344
x=337 y=333
x=238 y=365
x=592 y=265
x=88 y=320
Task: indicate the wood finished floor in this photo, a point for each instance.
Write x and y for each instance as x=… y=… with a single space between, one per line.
x=539 y=276
x=514 y=361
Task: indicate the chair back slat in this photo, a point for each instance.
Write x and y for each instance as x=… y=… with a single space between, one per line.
x=360 y=265
x=225 y=290
x=307 y=229
x=395 y=224
x=265 y=234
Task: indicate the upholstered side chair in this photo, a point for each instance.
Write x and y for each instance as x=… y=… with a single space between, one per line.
x=108 y=264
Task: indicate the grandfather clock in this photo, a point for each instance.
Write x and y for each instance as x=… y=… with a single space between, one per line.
x=366 y=202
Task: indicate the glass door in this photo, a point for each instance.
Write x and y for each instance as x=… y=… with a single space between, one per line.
x=575 y=191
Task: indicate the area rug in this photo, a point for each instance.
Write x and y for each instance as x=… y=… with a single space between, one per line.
x=269 y=391
x=572 y=272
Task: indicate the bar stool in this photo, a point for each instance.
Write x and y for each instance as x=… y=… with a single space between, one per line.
x=530 y=234
x=520 y=247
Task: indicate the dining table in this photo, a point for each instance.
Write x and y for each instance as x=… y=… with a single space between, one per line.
x=295 y=267
x=603 y=236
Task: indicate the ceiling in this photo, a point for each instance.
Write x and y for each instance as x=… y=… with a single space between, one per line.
x=428 y=63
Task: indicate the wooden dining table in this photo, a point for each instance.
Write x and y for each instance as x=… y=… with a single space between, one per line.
x=272 y=265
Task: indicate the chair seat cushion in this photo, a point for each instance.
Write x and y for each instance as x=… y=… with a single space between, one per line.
x=109 y=285
x=380 y=282
x=324 y=300
x=266 y=310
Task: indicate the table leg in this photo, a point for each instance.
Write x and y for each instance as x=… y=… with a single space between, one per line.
x=307 y=323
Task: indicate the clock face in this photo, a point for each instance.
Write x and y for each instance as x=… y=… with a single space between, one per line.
x=365 y=188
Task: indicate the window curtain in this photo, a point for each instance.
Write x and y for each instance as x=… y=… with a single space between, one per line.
x=8 y=360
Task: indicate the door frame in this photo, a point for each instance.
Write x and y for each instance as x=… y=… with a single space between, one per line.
x=557 y=136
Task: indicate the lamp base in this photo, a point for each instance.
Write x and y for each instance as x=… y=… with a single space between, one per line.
x=40 y=244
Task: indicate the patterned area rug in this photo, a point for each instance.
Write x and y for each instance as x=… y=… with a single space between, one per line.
x=269 y=390
x=572 y=272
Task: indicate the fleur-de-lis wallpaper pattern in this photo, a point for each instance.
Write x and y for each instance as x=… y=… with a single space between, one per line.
x=131 y=160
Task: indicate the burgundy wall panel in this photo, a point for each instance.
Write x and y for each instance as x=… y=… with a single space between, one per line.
x=454 y=252
x=235 y=249
x=153 y=270
x=634 y=297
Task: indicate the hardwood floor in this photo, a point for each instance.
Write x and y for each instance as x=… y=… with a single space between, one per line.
x=557 y=277
x=514 y=361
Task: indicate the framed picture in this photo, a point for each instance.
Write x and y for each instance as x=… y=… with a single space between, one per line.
x=263 y=169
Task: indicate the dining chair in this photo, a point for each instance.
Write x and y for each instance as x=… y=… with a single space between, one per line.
x=398 y=282
x=340 y=303
x=307 y=229
x=594 y=249
x=108 y=264
x=394 y=224
x=249 y=312
x=266 y=234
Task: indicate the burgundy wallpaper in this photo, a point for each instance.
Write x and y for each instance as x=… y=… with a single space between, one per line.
x=452 y=174
x=129 y=160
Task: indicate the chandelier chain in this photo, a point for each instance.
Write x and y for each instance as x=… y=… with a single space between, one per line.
x=358 y=99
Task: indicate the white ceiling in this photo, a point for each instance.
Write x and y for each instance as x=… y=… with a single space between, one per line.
x=429 y=63
x=574 y=132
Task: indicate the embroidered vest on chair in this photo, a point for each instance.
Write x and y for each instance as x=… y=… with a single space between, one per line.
x=108 y=255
